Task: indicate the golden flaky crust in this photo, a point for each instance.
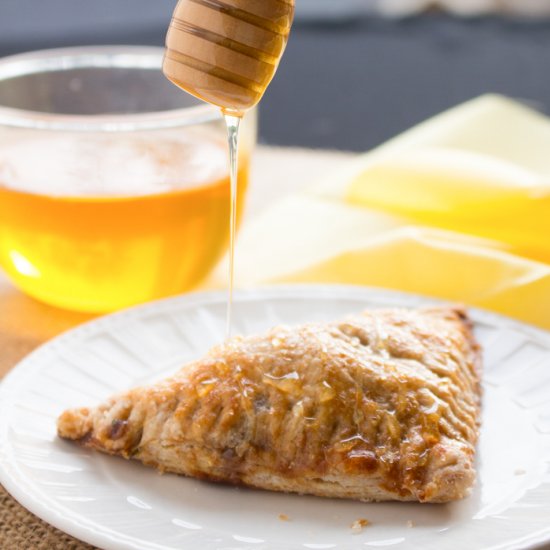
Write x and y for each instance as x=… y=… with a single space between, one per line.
x=380 y=406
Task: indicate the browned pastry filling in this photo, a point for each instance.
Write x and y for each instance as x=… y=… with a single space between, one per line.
x=380 y=406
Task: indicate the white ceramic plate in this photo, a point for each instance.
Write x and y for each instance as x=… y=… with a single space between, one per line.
x=117 y=504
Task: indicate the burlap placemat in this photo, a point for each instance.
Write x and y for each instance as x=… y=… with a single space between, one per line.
x=21 y=530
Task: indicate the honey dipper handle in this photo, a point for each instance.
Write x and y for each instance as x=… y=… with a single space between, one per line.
x=226 y=52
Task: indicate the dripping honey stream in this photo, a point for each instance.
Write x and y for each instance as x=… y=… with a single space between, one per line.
x=226 y=53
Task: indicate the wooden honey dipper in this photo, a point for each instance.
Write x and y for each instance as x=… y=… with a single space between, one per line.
x=226 y=52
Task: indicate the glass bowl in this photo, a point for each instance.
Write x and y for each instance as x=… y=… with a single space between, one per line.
x=114 y=186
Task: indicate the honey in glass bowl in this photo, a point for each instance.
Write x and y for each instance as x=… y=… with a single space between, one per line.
x=101 y=211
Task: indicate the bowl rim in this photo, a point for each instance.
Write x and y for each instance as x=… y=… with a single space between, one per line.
x=58 y=59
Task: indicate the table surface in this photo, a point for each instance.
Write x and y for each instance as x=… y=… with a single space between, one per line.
x=26 y=323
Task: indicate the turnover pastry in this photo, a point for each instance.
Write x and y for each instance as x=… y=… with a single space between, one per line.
x=383 y=405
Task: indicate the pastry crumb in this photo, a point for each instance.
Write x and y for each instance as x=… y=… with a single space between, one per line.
x=358 y=525
x=520 y=472
x=410 y=523
x=284 y=517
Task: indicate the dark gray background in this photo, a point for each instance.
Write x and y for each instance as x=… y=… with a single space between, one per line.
x=347 y=84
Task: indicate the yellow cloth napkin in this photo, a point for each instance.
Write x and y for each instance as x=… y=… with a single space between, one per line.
x=482 y=168
x=458 y=208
